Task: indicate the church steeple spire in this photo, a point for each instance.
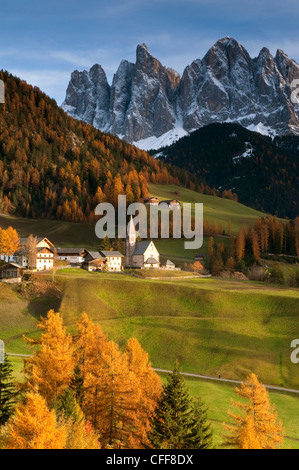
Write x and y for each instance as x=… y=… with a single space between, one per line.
x=130 y=242
x=131 y=233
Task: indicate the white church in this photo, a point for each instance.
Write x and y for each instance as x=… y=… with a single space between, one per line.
x=142 y=254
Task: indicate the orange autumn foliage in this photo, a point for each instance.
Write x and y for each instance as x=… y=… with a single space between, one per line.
x=258 y=426
x=9 y=241
x=34 y=426
x=49 y=371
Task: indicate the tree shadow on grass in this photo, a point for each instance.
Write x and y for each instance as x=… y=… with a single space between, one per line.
x=38 y=308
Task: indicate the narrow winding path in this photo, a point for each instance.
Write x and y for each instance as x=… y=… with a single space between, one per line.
x=207 y=377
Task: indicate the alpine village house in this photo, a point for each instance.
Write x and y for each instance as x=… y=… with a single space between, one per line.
x=140 y=255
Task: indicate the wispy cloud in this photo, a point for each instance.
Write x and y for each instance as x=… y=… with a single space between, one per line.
x=52 y=82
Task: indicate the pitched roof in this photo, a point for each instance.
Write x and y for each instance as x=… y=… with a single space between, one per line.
x=95 y=254
x=151 y=261
x=141 y=247
x=108 y=254
x=69 y=251
x=15 y=265
x=169 y=263
x=169 y=201
x=23 y=240
x=41 y=248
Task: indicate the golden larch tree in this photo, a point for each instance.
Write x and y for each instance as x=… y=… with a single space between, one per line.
x=111 y=396
x=80 y=433
x=34 y=426
x=258 y=426
x=240 y=244
x=149 y=384
x=50 y=370
x=9 y=241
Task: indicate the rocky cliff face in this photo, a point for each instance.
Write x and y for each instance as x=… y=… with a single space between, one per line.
x=148 y=101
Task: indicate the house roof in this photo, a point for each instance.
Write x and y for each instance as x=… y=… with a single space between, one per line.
x=23 y=240
x=15 y=265
x=95 y=254
x=41 y=248
x=169 y=263
x=141 y=247
x=69 y=251
x=151 y=261
x=109 y=254
x=169 y=201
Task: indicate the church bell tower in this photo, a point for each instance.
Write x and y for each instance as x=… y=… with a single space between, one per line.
x=130 y=242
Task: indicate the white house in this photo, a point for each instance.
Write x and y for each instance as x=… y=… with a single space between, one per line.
x=44 y=254
x=113 y=260
x=151 y=201
x=71 y=255
x=171 y=203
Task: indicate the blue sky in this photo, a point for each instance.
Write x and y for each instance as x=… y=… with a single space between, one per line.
x=44 y=41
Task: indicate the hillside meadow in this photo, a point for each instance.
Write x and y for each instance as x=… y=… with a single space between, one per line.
x=212 y=326
x=214 y=208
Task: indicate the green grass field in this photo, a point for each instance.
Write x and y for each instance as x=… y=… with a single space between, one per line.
x=218 y=397
x=59 y=232
x=214 y=208
x=80 y=234
x=212 y=326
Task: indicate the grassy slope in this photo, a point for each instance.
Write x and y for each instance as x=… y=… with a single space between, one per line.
x=59 y=232
x=73 y=234
x=218 y=399
x=216 y=208
x=213 y=327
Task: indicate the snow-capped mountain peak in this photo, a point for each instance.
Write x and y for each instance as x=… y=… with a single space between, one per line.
x=150 y=104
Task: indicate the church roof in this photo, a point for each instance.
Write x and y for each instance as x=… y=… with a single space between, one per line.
x=141 y=247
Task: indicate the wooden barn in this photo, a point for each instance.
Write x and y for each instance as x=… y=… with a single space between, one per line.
x=11 y=272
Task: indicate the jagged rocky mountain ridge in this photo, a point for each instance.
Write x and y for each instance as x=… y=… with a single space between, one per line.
x=151 y=105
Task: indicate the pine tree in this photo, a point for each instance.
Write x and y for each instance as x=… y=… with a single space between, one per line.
x=118 y=245
x=204 y=434
x=8 y=392
x=178 y=423
x=257 y=427
x=80 y=434
x=105 y=244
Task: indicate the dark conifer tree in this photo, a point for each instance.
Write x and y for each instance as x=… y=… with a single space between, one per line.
x=8 y=391
x=179 y=423
x=105 y=244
